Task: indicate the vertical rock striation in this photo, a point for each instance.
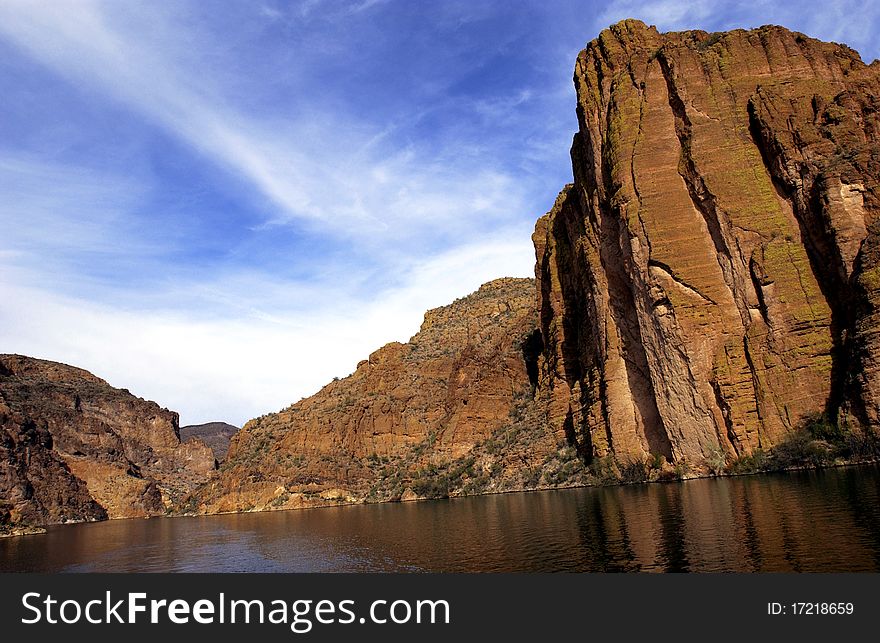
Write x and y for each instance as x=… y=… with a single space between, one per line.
x=708 y=282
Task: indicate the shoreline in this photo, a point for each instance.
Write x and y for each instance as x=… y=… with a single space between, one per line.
x=23 y=530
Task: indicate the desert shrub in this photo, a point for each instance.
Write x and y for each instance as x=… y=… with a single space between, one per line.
x=712 y=39
x=476 y=485
x=717 y=461
x=753 y=462
x=682 y=468
x=431 y=487
x=800 y=449
x=821 y=427
x=635 y=471
x=860 y=445
x=531 y=477
x=603 y=471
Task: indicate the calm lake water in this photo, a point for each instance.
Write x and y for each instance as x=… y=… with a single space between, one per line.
x=805 y=521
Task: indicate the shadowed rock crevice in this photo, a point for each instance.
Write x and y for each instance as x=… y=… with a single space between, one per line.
x=532 y=347
x=807 y=190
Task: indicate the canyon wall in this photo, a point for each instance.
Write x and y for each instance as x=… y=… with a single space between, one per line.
x=708 y=283
x=449 y=412
x=707 y=288
x=73 y=448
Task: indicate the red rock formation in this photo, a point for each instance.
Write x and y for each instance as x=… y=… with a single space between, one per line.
x=706 y=286
x=450 y=412
x=74 y=448
x=708 y=282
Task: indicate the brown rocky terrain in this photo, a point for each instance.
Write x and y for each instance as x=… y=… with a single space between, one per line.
x=215 y=434
x=709 y=282
x=73 y=448
x=707 y=300
x=449 y=412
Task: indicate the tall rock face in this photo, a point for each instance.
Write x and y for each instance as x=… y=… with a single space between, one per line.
x=709 y=282
x=73 y=448
x=449 y=412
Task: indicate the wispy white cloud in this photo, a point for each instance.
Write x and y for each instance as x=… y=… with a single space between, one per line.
x=315 y=168
x=239 y=366
x=365 y=5
x=666 y=14
x=45 y=204
x=238 y=340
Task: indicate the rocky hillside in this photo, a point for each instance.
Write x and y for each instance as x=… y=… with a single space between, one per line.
x=708 y=285
x=73 y=448
x=449 y=412
x=707 y=299
x=215 y=434
x=705 y=295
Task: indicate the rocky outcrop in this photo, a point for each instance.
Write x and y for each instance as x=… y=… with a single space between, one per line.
x=449 y=412
x=708 y=283
x=73 y=448
x=215 y=434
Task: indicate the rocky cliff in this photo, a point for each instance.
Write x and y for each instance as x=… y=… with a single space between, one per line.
x=708 y=284
x=73 y=448
x=706 y=292
x=449 y=412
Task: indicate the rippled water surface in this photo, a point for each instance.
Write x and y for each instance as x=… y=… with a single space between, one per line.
x=805 y=521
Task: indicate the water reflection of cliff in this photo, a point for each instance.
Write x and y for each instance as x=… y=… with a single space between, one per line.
x=807 y=521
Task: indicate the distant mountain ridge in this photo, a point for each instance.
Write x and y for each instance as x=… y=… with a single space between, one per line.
x=449 y=412
x=215 y=434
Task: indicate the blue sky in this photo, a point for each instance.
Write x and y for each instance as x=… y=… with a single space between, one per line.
x=223 y=205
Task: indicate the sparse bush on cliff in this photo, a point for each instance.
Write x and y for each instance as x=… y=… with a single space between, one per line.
x=818 y=441
x=634 y=471
x=717 y=461
x=758 y=460
x=860 y=445
x=802 y=449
